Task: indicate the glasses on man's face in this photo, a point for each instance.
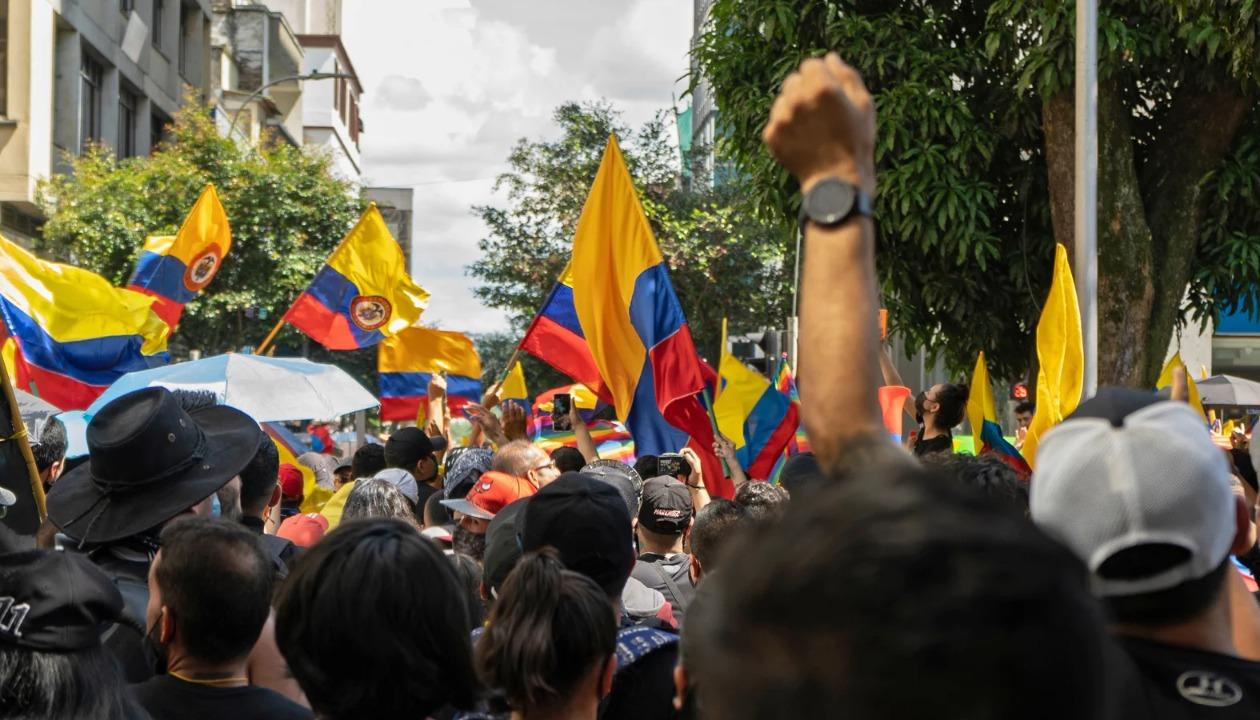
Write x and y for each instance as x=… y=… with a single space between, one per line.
x=549 y=464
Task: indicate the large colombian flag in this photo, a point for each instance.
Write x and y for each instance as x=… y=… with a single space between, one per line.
x=363 y=293
x=633 y=324
x=174 y=269
x=753 y=414
x=407 y=362
x=71 y=332
x=982 y=413
x=555 y=337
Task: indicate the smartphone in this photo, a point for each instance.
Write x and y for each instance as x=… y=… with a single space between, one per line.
x=670 y=464
x=560 y=405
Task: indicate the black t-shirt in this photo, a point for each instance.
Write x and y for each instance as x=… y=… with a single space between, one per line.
x=1154 y=681
x=644 y=690
x=169 y=698
x=938 y=444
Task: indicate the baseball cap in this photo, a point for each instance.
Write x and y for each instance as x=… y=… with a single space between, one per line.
x=503 y=549
x=405 y=447
x=290 y=480
x=608 y=469
x=403 y=480
x=666 y=506
x=492 y=492
x=303 y=530
x=1125 y=472
x=464 y=469
x=69 y=603
x=586 y=521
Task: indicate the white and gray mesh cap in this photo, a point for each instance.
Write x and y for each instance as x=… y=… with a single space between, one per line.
x=1112 y=477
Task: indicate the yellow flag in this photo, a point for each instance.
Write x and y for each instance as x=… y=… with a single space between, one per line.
x=1060 y=351
x=1166 y=378
x=514 y=386
x=980 y=405
x=742 y=387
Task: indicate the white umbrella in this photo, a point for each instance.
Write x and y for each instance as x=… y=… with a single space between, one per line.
x=1228 y=390
x=267 y=389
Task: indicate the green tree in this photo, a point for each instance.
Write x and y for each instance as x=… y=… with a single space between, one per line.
x=723 y=261
x=975 y=157
x=286 y=210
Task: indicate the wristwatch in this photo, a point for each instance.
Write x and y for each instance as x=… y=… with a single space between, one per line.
x=832 y=201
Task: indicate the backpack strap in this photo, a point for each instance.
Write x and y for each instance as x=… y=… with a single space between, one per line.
x=675 y=595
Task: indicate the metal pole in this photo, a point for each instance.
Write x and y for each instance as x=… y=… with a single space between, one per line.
x=793 y=328
x=1086 y=185
x=360 y=431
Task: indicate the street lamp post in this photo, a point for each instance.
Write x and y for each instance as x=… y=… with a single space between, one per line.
x=236 y=116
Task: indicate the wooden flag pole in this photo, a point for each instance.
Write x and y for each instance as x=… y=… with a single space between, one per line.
x=24 y=445
x=266 y=343
x=708 y=406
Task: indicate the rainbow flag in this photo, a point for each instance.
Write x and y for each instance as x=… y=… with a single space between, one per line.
x=363 y=293
x=175 y=269
x=785 y=382
x=407 y=362
x=982 y=413
x=611 y=438
x=70 y=333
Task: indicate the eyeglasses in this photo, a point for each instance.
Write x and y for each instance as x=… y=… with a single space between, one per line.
x=549 y=464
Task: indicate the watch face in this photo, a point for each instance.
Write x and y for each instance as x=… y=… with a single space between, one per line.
x=830 y=201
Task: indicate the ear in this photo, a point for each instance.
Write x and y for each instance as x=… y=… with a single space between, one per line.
x=485 y=591
x=166 y=625
x=276 y=496
x=1242 y=528
x=680 y=687
x=606 y=675
x=695 y=571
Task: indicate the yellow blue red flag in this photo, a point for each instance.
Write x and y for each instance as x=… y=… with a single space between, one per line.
x=753 y=414
x=363 y=294
x=407 y=362
x=985 y=431
x=175 y=268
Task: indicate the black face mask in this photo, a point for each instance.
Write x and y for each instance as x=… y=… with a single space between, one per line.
x=156 y=654
x=468 y=543
x=920 y=406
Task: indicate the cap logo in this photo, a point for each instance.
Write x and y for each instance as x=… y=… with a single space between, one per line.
x=664 y=513
x=12 y=615
x=369 y=311
x=1207 y=688
x=203 y=269
x=485 y=486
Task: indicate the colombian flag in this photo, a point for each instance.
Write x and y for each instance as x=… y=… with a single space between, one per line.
x=634 y=326
x=754 y=415
x=363 y=294
x=555 y=337
x=173 y=269
x=982 y=413
x=407 y=362
x=73 y=333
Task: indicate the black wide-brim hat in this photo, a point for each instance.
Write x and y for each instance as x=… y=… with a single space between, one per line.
x=148 y=462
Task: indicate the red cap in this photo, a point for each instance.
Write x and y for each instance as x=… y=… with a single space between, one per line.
x=290 y=481
x=492 y=492
x=303 y=530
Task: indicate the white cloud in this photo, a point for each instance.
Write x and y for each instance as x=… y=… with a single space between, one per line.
x=452 y=84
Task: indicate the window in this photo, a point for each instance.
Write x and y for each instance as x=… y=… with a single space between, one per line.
x=127 y=104
x=157 y=130
x=90 y=77
x=126 y=6
x=155 y=28
x=187 y=39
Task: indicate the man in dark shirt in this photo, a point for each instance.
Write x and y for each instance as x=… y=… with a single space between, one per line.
x=664 y=519
x=1136 y=487
x=209 y=596
x=260 y=492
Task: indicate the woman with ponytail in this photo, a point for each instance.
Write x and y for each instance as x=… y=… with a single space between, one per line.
x=550 y=642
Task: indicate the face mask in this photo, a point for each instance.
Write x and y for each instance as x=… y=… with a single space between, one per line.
x=468 y=543
x=920 y=406
x=155 y=653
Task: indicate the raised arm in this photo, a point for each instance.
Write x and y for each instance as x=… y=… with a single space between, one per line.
x=585 y=443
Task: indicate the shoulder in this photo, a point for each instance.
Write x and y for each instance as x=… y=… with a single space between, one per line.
x=637 y=642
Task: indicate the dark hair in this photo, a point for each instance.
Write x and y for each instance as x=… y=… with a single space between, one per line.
x=190 y=400
x=762 y=500
x=367 y=461
x=52 y=444
x=259 y=477
x=568 y=459
x=217 y=582
x=1026 y=406
x=826 y=591
x=549 y=628
x=952 y=399
x=988 y=475
x=647 y=465
x=64 y=685
x=433 y=508
x=415 y=641
x=468 y=570
x=1177 y=604
x=714 y=527
x=372 y=498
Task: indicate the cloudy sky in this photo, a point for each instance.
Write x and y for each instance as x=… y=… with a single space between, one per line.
x=450 y=85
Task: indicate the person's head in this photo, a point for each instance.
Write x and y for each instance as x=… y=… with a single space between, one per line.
x=209 y=591
x=502 y=548
x=1138 y=490
x=551 y=638
x=586 y=521
x=713 y=529
x=342 y=475
x=230 y=494
x=405 y=483
x=801 y=472
x=942 y=406
x=290 y=482
x=150 y=461
x=646 y=465
x=435 y=513
x=303 y=530
x=260 y=480
x=1024 y=414
x=691 y=651
x=665 y=516
x=464 y=466
x=990 y=476
x=624 y=480
x=413 y=451
x=49 y=449
x=567 y=459
x=838 y=635
x=762 y=500
x=468 y=570
x=416 y=642
x=493 y=491
x=52 y=664
x=372 y=498
x=367 y=461
x=525 y=460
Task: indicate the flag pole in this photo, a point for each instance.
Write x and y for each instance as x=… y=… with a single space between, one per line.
x=708 y=406
x=266 y=343
x=24 y=445
x=1086 y=186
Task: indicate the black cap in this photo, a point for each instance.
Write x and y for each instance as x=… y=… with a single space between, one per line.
x=56 y=601
x=666 y=506
x=503 y=548
x=1114 y=404
x=586 y=521
x=406 y=447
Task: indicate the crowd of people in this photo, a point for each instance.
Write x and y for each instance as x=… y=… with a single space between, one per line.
x=177 y=576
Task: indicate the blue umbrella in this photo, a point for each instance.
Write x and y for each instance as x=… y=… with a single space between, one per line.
x=76 y=422
x=266 y=388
